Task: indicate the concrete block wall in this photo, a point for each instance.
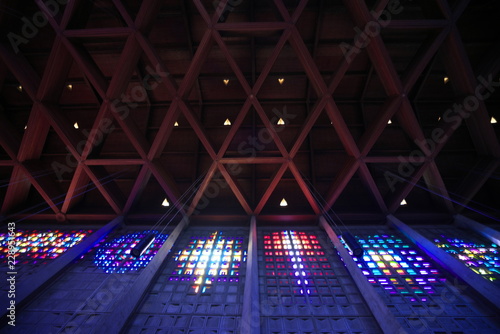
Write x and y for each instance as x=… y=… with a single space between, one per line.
x=333 y=304
x=76 y=299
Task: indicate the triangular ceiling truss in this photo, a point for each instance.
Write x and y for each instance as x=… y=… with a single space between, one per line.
x=126 y=104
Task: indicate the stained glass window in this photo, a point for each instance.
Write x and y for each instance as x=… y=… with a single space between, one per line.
x=305 y=287
x=115 y=257
x=398 y=267
x=38 y=246
x=476 y=252
x=422 y=295
x=206 y=260
x=295 y=255
x=200 y=289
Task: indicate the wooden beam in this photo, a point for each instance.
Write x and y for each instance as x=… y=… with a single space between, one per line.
x=269 y=190
x=110 y=32
x=475 y=180
x=201 y=189
x=107 y=188
x=77 y=188
x=167 y=182
x=341 y=181
x=251 y=27
x=253 y=160
x=232 y=184
x=369 y=182
x=464 y=81
x=305 y=188
x=139 y=185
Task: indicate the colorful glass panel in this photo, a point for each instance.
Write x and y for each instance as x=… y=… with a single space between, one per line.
x=479 y=254
x=37 y=246
x=115 y=257
x=398 y=267
x=296 y=255
x=305 y=286
x=200 y=288
x=209 y=259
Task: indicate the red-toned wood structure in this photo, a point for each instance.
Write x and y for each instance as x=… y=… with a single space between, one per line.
x=381 y=101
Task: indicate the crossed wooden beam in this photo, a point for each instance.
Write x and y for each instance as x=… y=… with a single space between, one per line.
x=45 y=93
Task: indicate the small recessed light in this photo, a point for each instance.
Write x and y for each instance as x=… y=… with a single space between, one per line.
x=165 y=202
x=176 y=124
x=281 y=80
x=226 y=82
x=76 y=126
x=403 y=202
x=281 y=122
x=446 y=79
x=493 y=120
x=389 y=122
x=70 y=87
x=20 y=88
x=25 y=127
x=227 y=122
x=283 y=202
x=439 y=118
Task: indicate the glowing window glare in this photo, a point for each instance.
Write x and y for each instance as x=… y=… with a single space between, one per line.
x=217 y=258
x=41 y=245
x=114 y=256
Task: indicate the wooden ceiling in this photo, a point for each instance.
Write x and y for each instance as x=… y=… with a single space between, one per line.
x=369 y=117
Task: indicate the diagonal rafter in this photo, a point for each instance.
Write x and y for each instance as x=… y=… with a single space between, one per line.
x=232 y=184
x=393 y=86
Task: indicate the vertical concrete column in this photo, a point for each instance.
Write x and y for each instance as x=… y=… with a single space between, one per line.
x=486 y=231
x=116 y=320
x=484 y=287
x=250 y=318
x=45 y=273
x=385 y=318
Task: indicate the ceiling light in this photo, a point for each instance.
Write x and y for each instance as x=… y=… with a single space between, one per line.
x=20 y=88
x=281 y=122
x=283 y=202
x=227 y=122
x=176 y=124
x=389 y=122
x=76 y=125
x=446 y=79
x=403 y=202
x=439 y=118
x=25 y=127
x=281 y=80
x=165 y=202
x=226 y=82
x=493 y=120
x=70 y=87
